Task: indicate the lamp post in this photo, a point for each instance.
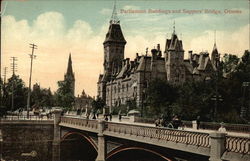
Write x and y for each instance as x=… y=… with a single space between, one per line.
x=216 y=97
x=244 y=109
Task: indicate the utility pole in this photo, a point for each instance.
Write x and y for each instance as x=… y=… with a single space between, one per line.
x=4 y=75
x=32 y=56
x=0 y=56
x=13 y=68
x=1 y=14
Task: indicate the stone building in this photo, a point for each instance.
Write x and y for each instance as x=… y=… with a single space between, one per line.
x=70 y=76
x=83 y=102
x=126 y=80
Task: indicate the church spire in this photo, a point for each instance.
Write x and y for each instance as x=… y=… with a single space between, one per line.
x=215 y=47
x=69 y=76
x=114 y=18
x=215 y=53
x=174 y=27
x=69 y=69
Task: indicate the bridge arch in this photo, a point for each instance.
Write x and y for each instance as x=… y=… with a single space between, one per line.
x=113 y=155
x=77 y=146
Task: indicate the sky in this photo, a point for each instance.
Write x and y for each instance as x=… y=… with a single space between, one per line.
x=60 y=27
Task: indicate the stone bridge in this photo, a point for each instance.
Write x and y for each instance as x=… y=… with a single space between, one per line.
x=68 y=138
x=111 y=141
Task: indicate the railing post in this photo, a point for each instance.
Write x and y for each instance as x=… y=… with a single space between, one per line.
x=56 y=140
x=101 y=142
x=217 y=142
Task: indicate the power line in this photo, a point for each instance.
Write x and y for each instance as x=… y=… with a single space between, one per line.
x=32 y=56
x=13 y=65
x=13 y=68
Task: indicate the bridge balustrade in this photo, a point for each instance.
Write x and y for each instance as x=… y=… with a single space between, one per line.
x=25 y=117
x=178 y=136
x=80 y=122
x=238 y=144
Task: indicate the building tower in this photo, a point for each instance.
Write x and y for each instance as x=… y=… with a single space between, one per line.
x=215 y=53
x=174 y=58
x=70 y=76
x=114 y=45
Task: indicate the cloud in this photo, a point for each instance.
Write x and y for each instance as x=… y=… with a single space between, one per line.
x=54 y=45
x=227 y=42
x=55 y=42
x=105 y=11
x=130 y=7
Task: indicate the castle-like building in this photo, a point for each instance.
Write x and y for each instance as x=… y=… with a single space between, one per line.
x=125 y=79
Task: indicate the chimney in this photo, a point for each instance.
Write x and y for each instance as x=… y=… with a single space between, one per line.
x=123 y=62
x=190 y=54
x=158 y=47
x=154 y=53
x=132 y=64
x=127 y=61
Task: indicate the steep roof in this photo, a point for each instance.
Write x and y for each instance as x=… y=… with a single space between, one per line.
x=174 y=43
x=115 y=34
x=144 y=64
x=69 y=68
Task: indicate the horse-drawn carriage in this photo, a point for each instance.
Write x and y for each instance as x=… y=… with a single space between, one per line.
x=173 y=124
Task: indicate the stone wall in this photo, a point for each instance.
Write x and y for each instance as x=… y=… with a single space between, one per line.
x=22 y=137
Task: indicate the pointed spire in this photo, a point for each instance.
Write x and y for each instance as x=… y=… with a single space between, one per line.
x=114 y=19
x=69 y=69
x=214 y=36
x=174 y=27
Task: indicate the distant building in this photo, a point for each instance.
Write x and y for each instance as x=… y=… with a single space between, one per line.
x=125 y=80
x=70 y=76
x=84 y=101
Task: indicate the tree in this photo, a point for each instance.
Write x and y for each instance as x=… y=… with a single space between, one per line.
x=20 y=93
x=195 y=99
x=160 y=95
x=229 y=63
x=41 y=97
x=97 y=104
x=64 y=96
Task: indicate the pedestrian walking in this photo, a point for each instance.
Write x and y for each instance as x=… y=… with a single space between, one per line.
x=119 y=116
x=110 y=117
x=198 y=122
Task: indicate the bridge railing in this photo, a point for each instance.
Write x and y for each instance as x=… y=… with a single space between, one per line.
x=178 y=136
x=25 y=117
x=238 y=144
x=243 y=128
x=80 y=122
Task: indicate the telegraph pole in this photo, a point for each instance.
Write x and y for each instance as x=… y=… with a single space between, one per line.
x=0 y=55
x=1 y=14
x=4 y=75
x=13 y=68
x=32 y=56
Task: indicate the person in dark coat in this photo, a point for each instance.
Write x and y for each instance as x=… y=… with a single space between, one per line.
x=198 y=121
x=110 y=117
